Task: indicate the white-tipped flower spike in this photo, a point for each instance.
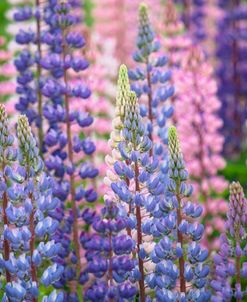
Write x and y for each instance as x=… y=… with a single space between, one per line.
x=27 y=144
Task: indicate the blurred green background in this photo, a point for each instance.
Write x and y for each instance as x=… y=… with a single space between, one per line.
x=3 y=21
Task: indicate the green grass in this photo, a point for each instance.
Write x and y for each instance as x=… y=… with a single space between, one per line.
x=4 y=6
x=235 y=170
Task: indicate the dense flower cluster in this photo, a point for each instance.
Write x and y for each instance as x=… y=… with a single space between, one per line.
x=99 y=104
x=27 y=212
x=230 y=262
x=107 y=253
x=151 y=84
x=176 y=40
x=196 y=107
x=231 y=49
x=193 y=16
x=67 y=158
x=28 y=65
x=7 y=71
x=178 y=255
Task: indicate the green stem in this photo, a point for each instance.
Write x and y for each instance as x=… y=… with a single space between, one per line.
x=72 y=177
x=181 y=241
x=6 y=246
x=150 y=111
x=139 y=238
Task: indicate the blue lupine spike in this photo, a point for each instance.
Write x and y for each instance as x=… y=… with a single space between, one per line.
x=27 y=203
x=60 y=145
x=147 y=83
x=233 y=112
x=175 y=221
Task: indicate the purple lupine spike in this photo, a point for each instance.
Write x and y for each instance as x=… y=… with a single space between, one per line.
x=69 y=151
x=30 y=96
x=231 y=73
x=193 y=16
x=108 y=253
x=237 y=213
x=229 y=262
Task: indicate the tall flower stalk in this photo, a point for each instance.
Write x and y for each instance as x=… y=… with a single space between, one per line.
x=198 y=116
x=70 y=153
x=193 y=16
x=122 y=99
x=229 y=263
x=117 y=22
x=176 y=39
x=142 y=193
x=28 y=215
x=151 y=83
x=180 y=272
x=70 y=150
x=230 y=37
x=30 y=80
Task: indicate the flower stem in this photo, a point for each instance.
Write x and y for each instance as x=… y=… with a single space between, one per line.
x=139 y=237
x=150 y=112
x=238 y=274
x=5 y=242
x=71 y=159
x=180 y=241
x=238 y=263
x=32 y=230
x=32 y=242
x=130 y=206
x=6 y=246
x=110 y=263
x=187 y=7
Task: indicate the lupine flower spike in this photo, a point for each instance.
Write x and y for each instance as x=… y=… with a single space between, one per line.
x=180 y=274
x=201 y=141
x=28 y=64
x=117 y=22
x=27 y=211
x=231 y=72
x=69 y=158
x=151 y=84
x=229 y=262
x=122 y=99
x=107 y=253
x=142 y=193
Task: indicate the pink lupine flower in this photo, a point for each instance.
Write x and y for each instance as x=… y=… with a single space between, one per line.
x=117 y=23
x=198 y=123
